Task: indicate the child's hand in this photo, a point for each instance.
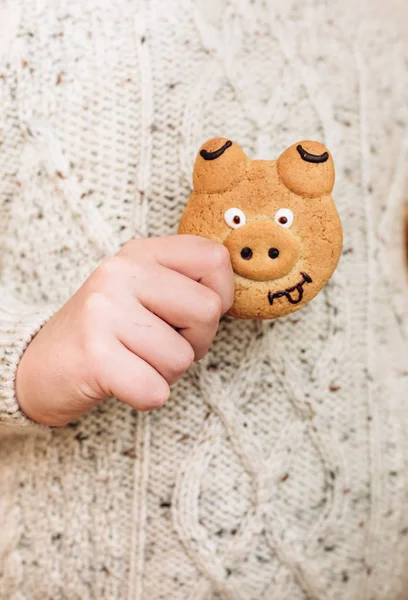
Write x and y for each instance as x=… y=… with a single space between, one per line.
x=131 y=330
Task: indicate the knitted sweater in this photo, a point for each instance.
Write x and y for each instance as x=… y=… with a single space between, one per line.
x=278 y=468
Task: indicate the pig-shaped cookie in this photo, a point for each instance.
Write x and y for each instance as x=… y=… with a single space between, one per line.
x=276 y=217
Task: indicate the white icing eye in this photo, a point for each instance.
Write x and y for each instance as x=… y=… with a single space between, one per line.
x=234 y=217
x=284 y=217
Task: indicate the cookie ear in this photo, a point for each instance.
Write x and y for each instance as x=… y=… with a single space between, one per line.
x=220 y=164
x=307 y=169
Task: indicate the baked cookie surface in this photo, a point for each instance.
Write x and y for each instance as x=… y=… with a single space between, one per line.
x=277 y=218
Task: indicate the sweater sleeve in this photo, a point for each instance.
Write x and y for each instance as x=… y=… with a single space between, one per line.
x=19 y=323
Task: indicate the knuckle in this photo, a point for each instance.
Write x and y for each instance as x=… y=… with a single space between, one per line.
x=186 y=358
x=129 y=264
x=109 y=268
x=212 y=311
x=95 y=309
x=94 y=351
x=141 y=273
x=221 y=257
x=157 y=398
x=182 y=361
x=129 y=247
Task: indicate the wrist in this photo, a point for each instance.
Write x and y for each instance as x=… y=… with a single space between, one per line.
x=25 y=388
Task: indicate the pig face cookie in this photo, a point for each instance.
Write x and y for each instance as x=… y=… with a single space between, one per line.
x=276 y=217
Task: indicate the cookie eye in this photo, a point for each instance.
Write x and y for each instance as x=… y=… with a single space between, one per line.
x=284 y=217
x=234 y=218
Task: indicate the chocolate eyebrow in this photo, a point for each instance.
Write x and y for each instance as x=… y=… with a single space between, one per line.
x=217 y=153
x=312 y=158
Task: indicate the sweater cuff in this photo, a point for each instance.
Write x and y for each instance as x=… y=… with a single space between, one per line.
x=19 y=324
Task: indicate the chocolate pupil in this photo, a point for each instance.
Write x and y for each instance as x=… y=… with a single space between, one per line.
x=283 y=220
x=237 y=220
x=246 y=253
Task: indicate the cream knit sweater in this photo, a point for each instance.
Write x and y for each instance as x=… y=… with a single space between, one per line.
x=279 y=468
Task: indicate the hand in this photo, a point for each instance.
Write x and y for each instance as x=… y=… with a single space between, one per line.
x=130 y=331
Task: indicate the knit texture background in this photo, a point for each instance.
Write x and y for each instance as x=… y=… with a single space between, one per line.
x=278 y=469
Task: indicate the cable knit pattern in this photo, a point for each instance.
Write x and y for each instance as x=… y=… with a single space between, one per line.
x=278 y=469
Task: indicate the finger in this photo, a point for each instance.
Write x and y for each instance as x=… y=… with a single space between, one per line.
x=197 y=258
x=156 y=342
x=132 y=380
x=183 y=303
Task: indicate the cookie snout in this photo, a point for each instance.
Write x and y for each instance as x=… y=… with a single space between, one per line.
x=262 y=250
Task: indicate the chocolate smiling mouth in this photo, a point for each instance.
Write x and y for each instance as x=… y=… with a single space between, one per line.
x=287 y=293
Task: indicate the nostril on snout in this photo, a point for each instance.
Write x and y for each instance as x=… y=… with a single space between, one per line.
x=246 y=253
x=273 y=253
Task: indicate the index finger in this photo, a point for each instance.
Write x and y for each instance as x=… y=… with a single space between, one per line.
x=196 y=257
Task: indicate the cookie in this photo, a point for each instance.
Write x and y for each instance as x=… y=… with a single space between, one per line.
x=276 y=217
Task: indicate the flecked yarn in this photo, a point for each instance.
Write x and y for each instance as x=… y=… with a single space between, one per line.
x=278 y=469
